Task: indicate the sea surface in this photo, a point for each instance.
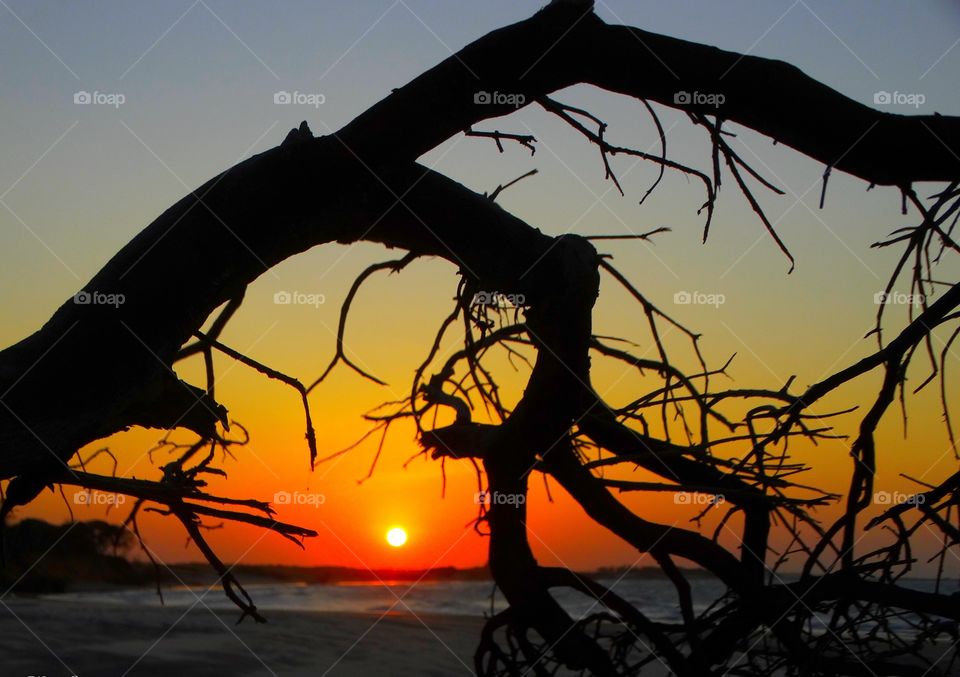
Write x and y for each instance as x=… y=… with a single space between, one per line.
x=656 y=598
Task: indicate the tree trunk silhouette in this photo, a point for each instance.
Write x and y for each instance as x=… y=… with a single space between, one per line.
x=93 y=370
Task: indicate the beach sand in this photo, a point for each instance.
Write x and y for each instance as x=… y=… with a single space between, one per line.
x=57 y=638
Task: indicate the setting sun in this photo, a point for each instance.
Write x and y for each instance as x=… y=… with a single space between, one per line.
x=396 y=537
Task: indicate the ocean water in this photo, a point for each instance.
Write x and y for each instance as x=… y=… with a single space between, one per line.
x=654 y=597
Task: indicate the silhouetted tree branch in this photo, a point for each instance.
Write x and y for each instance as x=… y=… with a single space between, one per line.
x=362 y=183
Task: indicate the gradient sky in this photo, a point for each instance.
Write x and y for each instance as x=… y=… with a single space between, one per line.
x=78 y=182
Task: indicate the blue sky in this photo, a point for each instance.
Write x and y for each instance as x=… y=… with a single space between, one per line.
x=198 y=79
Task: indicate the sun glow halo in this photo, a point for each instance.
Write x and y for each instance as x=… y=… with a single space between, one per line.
x=396 y=537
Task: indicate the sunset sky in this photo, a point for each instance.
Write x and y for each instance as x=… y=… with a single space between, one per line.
x=198 y=79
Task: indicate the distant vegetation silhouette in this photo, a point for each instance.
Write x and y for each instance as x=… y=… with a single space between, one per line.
x=42 y=557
